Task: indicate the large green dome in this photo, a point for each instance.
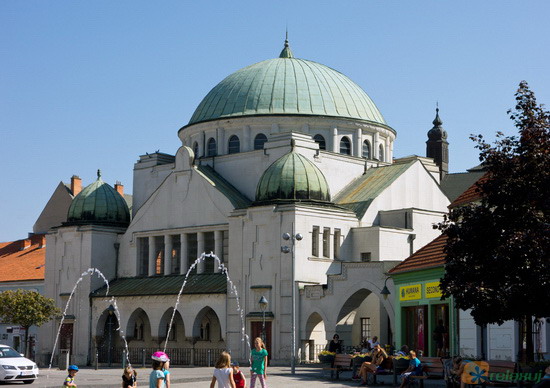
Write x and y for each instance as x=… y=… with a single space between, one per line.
x=293 y=177
x=287 y=86
x=98 y=203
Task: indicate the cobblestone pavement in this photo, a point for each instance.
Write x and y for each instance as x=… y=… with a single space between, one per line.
x=305 y=377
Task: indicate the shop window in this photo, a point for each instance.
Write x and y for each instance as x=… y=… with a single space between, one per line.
x=319 y=139
x=205 y=331
x=366 y=256
x=212 y=147
x=315 y=242
x=234 y=145
x=337 y=237
x=326 y=242
x=138 y=331
x=366 y=149
x=259 y=141
x=172 y=336
x=345 y=146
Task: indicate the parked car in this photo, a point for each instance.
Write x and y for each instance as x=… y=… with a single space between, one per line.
x=15 y=367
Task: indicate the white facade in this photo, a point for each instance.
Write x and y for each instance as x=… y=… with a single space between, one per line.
x=190 y=204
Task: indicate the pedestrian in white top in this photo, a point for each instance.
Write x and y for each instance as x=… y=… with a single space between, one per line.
x=223 y=373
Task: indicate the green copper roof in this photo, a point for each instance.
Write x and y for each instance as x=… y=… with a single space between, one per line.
x=208 y=283
x=287 y=86
x=98 y=203
x=359 y=194
x=293 y=177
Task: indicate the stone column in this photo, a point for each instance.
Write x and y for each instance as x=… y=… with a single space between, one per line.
x=358 y=144
x=245 y=145
x=151 y=256
x=218 y=248
x=200 y=251
x=375 y=154
x=387 y=153
x=167 y=254
x=184 y=263
x=335 y=142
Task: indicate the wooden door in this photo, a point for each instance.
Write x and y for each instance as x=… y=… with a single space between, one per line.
x=256 y=331
x=66 y=337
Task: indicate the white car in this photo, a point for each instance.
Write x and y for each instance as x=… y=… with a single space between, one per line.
x=15 y=367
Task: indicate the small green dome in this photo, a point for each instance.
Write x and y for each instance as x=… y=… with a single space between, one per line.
x=98 y=203
x=293 y=177
x=287 y=86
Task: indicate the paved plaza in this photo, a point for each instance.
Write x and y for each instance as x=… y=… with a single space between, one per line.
x=305 y=377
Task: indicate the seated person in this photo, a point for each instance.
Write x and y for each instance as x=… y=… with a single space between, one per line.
x=335 y=346
x=365 y=347
x=404 y=352
x=379 y=355
x=414 y=369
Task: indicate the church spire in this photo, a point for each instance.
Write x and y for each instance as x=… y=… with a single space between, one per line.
x=437 y=146
x=286 y=53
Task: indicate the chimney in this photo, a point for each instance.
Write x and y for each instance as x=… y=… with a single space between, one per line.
x=76 y=185
x=25 y=244
x=42 y=242
x=119 y=187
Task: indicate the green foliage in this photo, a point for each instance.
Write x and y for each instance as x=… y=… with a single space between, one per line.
x=497 y=261
x=26 y=308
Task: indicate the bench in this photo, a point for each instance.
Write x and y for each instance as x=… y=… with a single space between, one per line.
x=386 y=368
x=502 y=367
x=432 y=368
x=341 y=363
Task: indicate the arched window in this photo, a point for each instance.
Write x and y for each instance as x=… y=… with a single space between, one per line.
x=381 y=153
x=234 y=145
x=319 y=139
x=211 y=148
x=366 y=149
x=259 y=141
x=345 y=146
x=196 y=149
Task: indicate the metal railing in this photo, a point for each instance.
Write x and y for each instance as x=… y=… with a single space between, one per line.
x=142 y=356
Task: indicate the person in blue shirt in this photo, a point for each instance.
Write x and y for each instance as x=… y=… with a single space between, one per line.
x=414 y=369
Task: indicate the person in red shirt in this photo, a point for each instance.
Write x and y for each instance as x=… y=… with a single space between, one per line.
x=238 y=376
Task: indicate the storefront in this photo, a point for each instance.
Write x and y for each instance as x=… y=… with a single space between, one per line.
x=422 y=319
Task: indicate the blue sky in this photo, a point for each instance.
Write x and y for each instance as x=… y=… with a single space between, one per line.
x=87 y=85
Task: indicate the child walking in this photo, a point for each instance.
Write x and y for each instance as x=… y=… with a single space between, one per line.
x=238 y=376
x=157 y=378
x=69 y=381
x=223 y=373
x=258 y=357
x=129 y=378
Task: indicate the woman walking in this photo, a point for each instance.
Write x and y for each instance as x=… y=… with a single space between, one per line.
x=258 y=357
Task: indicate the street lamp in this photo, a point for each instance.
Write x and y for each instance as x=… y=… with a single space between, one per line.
x=292 y=237
x=385 y=291
x=110 y=310
x=263 y=306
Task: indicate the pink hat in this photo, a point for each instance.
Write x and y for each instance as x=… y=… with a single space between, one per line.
x=160 y=356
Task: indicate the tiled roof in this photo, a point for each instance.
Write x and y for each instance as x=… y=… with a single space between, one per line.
x=429 y=256
x=470 y=195
x=26 y=264
x=208 y=283
x=359 y=194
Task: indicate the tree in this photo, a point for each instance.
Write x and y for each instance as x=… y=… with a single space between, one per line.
x=26 y=308
x=497 y=254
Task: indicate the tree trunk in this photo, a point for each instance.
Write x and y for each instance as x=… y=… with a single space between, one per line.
x=27 y=349
x=529 y=346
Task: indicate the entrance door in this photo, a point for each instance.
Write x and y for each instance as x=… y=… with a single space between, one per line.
x=440 y=315
x=66 y=337
x=256 y=331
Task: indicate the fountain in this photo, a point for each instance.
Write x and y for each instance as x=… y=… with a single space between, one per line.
x=244 y=337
